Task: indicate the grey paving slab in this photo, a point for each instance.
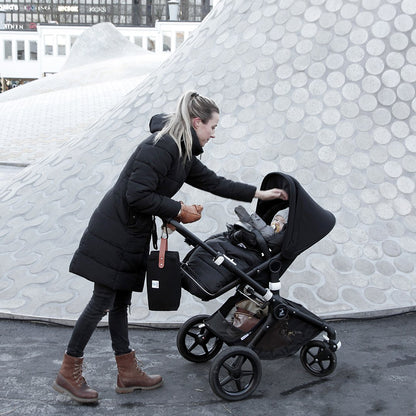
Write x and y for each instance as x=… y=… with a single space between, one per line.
x=374 y=375
x=322 y=91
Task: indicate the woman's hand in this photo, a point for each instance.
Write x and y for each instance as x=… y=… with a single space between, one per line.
x=269 y=194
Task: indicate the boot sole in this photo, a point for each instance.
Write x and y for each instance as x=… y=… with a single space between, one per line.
x=125 y=390
x=62 y=390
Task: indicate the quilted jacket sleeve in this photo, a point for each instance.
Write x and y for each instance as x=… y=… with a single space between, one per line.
x=203 y=178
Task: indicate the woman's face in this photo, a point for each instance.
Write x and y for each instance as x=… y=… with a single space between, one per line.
x=205 y=131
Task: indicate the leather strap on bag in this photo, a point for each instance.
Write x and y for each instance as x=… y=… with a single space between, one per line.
x=163 y=248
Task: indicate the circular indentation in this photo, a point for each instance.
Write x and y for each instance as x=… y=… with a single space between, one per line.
x=331 y=116
x=406 y=185
x=408 y=6
x=336 y=79
x=382 y=135
x=387 y=12
x=402 y=206
x=403 y=23
x=354 y=72
x=367 y=102
x=381 y=116
x=312 y=14
x=294 y=24
x=350 y=109
x=359 y=36
x=380 y=29
x=334 y=61
x=375 y=47
x=349 y=11
x=332 y=98
x=393 y=169
x=399 y=41
x=374 y=66
x=390 y=78
x=355 y=54
x=371 y=84
x=401 y=110
x=342 y=167
x=309 y=30
x=364 y=19
x=411 y=143
x=338 y=44
x=400 y=129
x=408 y=73
x=395 y=60
x=327 y=20
x=351 y=91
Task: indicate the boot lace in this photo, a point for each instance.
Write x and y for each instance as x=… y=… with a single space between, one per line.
x=77 y=374
x=139 y=366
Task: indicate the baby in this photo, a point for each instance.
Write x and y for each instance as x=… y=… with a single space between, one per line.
x=279 y=220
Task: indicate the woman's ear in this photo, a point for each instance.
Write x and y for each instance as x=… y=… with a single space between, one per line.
x=196 y=121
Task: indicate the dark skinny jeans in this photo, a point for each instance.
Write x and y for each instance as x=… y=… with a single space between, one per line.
x=103 y=300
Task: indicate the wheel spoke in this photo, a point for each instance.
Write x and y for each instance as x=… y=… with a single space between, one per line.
x=194 y=345
x=226 y=380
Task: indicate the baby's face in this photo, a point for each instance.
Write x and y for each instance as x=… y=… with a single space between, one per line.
x=277 y=223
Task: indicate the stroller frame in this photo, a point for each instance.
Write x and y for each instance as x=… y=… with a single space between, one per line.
x=236 y=371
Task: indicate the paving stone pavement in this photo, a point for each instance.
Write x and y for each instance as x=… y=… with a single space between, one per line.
x=375 y=375
x=320 y=90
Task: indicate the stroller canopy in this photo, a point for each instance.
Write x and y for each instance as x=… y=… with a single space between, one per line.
x=307 y=223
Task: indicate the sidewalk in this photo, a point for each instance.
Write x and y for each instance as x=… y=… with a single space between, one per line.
x=375 y=375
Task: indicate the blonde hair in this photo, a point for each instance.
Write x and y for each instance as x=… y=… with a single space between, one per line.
x=178 y=126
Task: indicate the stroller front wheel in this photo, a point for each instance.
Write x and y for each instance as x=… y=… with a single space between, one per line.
x=317 y=358
x=235 y=373
x=195 y=342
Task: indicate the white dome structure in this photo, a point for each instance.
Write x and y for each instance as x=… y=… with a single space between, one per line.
x=323 y=90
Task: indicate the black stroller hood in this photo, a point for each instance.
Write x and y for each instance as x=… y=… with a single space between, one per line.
x=307 y=222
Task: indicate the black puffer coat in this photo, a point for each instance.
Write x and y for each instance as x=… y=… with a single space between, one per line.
x=114 y=248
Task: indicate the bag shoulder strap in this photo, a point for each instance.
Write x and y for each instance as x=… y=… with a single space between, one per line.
x=163 y=248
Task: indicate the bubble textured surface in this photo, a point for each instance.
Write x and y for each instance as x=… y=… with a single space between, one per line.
x=322 y=90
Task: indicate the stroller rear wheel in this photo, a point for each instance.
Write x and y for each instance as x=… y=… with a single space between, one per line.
x=235 y=373
x=195 y=342
x=317 y=358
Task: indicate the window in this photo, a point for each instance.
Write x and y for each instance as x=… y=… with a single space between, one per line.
x=33 y=47
x=61 y=45
x=20 y=50
x=8 y=50
x=138 y=40
x=167 y=43
x=48 y=45
x=180 y=36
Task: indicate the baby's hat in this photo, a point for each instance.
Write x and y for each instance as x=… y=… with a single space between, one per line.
x=284 y=213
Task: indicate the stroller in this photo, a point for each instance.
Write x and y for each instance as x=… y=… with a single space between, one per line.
x=256 y=322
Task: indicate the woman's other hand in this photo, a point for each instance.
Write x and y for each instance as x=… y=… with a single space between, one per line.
x=269 y=194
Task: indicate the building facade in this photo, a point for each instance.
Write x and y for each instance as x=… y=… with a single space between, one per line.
x=26 y=14
x=36 y=37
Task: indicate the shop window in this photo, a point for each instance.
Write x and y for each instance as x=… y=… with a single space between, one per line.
x=48 y=45
x=8 y=50
x=20 y=50
x=167 y=44
x=179 y=38
x=61 y=45
x=138 y=40
x=33 y=47
x=151 y=44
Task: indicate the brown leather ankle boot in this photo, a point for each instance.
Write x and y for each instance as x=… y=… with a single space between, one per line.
x=131 y=377
x=70 y=381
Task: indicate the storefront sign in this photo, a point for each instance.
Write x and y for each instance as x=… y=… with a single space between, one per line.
x=18 y=26
x=9 y=7
x=71 y=9
x=97 y=9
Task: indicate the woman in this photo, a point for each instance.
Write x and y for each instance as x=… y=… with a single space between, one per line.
x=114 y=248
